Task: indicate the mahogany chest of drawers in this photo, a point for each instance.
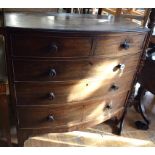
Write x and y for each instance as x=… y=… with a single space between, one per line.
x=68 y=72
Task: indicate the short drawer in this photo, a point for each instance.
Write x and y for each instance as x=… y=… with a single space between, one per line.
x=58 y=93
x=46 y=47
x=118 y=45
x=67 y=70
x=47 y=117
x=105 y=108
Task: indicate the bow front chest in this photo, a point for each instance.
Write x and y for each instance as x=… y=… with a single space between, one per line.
x=68 y=72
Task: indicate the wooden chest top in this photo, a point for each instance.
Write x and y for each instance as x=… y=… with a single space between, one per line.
x=69 y=22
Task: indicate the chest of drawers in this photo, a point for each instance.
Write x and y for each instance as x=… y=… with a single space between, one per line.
x=69 y=72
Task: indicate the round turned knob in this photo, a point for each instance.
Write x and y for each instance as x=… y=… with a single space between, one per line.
x=50 y=118
x=114 y=87
x=52 y=72
x=51 y=96
x=90 y=63
x=125 y=45
x=108 y=106
x=53 y=48
x=121 y=66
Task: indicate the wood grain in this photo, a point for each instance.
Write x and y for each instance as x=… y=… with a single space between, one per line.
x=71 y=92
x=49 y=46
x=31 y=70
x=36 y=117
x=104 y=107
x=112 y=46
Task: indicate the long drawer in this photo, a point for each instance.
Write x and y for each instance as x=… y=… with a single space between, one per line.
x=49 y=117
x=66 y=93
x=123 y=44
x=48 y=46
x=66 y=70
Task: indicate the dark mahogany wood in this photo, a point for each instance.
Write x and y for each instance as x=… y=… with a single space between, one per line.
x=39 y=117
x=71 y=23
x=123 y=44
x=64 y=69
x=4 y=112
x=147 y=76
x=68 y=115
x=68 y=72
x=57 y=93
x=49 y=46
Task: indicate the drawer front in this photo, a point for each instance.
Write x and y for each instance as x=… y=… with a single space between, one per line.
x=47 y=117
x=67 y=116
x=26 y=70
x=104 y=108
x=119 y=45
x=57 y=93
x=46 y=47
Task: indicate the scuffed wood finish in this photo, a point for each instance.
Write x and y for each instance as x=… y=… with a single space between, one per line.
x=31 y=70
x=72 y=85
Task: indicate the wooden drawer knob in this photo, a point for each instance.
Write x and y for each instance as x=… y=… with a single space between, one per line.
x=125 y=45
x=52 y=72
x=50 y=118
x=108 y=106
x=53 y=48
x=120 y=67
x=51 y=96
x=114 y=87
